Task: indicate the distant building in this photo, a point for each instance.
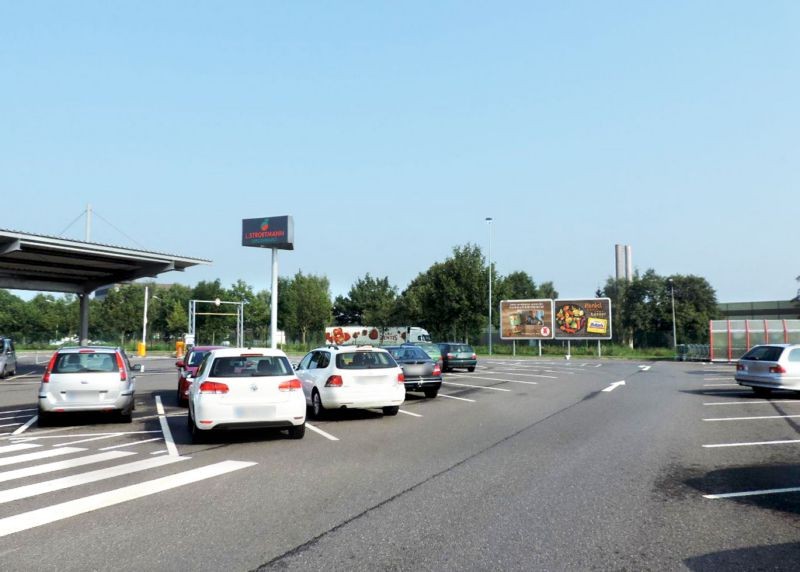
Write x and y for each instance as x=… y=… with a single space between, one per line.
x=771 y=310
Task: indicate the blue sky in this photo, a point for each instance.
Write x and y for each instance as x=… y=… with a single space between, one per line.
x=395 y=129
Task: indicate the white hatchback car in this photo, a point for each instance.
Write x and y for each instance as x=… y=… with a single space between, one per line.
x=238 y=388
x=88 y=378
x=360 y=377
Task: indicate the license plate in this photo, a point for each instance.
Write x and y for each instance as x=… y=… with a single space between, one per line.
x=254 y=412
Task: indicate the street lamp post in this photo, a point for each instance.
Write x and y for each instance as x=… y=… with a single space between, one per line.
x=674 y=329
x=489 y=220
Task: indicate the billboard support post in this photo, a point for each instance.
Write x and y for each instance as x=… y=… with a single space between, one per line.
x=273 y=310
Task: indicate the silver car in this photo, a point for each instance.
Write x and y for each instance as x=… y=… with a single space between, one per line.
x=88 y=379
x=770 y=366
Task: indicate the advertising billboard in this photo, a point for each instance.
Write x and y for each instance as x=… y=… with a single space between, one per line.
x=269 y=232
x=586 y=319
x=526 y=319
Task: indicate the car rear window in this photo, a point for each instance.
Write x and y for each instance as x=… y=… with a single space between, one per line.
x=250 y=366
x=364 y=360
x=95 y=362
x=460 y=348
x=409 y=353
x=764 y=353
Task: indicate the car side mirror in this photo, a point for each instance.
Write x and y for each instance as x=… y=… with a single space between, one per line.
x=180 y=363
x=137 y=367
x=295 y=366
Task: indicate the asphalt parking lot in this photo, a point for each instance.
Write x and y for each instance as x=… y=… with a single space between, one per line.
x=523 y=464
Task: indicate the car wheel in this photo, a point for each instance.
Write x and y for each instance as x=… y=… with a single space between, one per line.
x=297 y=431
x=198 y=436
x=431 y=393
x=125 y=416
x=182 y=401
x=44 y=419
x=389 y=411
x=316 y=405
x=471 y=368
x=762 y=391
x=3 y=373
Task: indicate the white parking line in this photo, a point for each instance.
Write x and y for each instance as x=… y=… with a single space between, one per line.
x=170 y=442
x=454 y=397
x=525 y=374
x=475 y=386
x=749 y=418
x=760 y=402
x=12 y=417
x=25 y=427
x=131 y=444
x=46 y=515
x=17 y=447
x=321 y=432
x=720 y=384
x=784 y=442
x=105 y=436
x=45 y=454
x=18 y=411
x=27 y=491
x=409 y=413
x=11 y=425
x=753 y=493
x=61 y=465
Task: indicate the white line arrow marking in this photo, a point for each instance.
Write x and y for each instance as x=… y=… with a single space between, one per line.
x=613 y=386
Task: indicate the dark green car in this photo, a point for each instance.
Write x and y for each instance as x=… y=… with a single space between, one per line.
x=456 y=354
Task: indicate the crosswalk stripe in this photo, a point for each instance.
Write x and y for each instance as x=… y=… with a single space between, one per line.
x=46 y=454
x=17 y=447
x=27 y=491
x=61 y=465
x=46 y=515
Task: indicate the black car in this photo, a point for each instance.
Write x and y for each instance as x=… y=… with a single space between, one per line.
x=456 y=354
x=420 y=371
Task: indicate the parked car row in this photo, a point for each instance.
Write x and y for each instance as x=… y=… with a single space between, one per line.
x=233 y=388
x=251 y=388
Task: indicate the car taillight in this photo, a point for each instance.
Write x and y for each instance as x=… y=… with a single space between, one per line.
x=437 y=371
x=450 y=356
x=777 y=369
x=401 y=378
x=474 y=356
x=214 y=387
x=49 y=368
x=290 y=385
x=123 y=375
x=740 y=367
x=334 y=381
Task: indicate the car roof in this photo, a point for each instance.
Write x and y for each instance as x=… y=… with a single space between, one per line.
x=78 y=349
x=347 y=349
x=236 y=352
x=204 y=348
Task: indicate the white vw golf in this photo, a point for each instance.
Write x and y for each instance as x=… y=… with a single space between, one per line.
x=351 y=377
x=245 y=388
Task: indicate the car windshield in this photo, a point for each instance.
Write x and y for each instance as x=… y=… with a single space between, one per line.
x=94 y=362
x=364 y=360
x=764 y=353
x=250 y=366
x=195 y=357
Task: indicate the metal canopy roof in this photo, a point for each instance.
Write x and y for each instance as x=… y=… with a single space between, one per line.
x=52 y=264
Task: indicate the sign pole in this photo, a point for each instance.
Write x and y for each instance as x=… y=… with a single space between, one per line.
x=273 y=314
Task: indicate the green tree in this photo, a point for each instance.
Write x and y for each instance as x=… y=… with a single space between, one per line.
x=304 y=306
x=370 y=302
x=451 y=295
x=211 y=327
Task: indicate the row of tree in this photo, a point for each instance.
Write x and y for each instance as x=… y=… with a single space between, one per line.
x=449 y=299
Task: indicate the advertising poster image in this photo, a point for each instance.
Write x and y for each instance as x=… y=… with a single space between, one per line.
x=526 y=319
x=588 y=319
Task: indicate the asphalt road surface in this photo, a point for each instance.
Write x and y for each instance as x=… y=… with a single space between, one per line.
x=525 y=464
